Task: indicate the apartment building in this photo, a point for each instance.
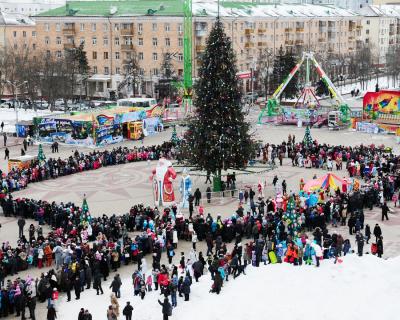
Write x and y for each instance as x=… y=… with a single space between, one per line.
x=381 y=29
x=112 y=32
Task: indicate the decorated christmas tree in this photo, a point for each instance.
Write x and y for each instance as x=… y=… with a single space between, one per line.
x=218 y=136
x=174 y=137
x=307 y=140
x=85 y=207
x=41 y=157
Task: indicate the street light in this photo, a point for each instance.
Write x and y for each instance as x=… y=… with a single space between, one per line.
x=16 y=87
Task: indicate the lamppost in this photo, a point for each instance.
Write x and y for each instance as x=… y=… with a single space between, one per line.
x=16 y=86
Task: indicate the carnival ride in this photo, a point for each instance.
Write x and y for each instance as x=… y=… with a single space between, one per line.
x=307 y=108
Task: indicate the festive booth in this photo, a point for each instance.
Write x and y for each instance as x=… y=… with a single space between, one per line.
x=328 y=181
x=381 y=111
x=98 y=128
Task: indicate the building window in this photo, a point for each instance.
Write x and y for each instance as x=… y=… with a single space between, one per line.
x=180 y=27
x=34 y=34
x=48 y=54
x=15 y=46
x=58 y=40
x=117 y=70
x=47 y=40
x=94 y=41
x=105 y=55
x=94 y=55
x=116 y=41
x=106 y=70
x=94 y=69
x=140 y=28
x=81 y=40
x=34 y=46
x=141 y=71
x=116 y=26
x=140 y=56
x=24 y=34
x=46 y=27
x=117 y=55
x=82 y=27
x=105 y=27
x=155 y=56
x=93 y=27
x=154 y=27
x=140 y=41
x=155 y=42
x=15 y=34
x=155 y=72
x=180 y=57
x=167 y=42
x=166 y=27
x=180 y=42
x=58 y=27
x=105 y=41
x=58 y=54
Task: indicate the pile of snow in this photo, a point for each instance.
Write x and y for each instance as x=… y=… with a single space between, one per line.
x=8 y=116
x=356 y=289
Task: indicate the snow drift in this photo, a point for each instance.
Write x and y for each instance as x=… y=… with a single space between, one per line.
x=358 y=288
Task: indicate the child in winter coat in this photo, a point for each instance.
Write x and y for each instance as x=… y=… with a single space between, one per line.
x=149 y=282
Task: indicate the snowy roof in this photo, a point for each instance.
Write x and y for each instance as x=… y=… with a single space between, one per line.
x=381 y=11
x=15 y=19
x=199 y=7
x=246 y=9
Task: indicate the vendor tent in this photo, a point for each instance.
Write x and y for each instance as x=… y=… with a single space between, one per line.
x=327 y=181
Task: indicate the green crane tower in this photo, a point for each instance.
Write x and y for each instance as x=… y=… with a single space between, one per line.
x=187 y=56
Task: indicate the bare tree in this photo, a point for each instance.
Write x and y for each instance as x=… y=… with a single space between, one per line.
x=131 y=69
x=393 y=63
x=265 y=62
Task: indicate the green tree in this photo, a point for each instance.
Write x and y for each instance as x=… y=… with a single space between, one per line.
x=321 y=89
x=218 y=136
x=307 y=140
x=284 y=63
x=41 y=157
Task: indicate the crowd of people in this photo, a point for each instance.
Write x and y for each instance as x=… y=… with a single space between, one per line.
x=52 y=168
x=84 y=250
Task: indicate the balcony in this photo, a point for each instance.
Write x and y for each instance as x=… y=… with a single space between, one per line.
x=126 y=32
x=200 y=48
x=352 y=38
x=68 y=46
x=249 y=45
x=288 y=30
x=261 y=44
x=126 y=47
x=321 y=40
x=299 y=29
x=69 y=31
x=248 y=32
x=359 y=27
x=299 y=42
x=262 y=30
x=288 y=42
x=330 y=50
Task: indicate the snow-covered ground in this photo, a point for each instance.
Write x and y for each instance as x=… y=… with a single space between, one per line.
x=8 y=116
x=356 y=289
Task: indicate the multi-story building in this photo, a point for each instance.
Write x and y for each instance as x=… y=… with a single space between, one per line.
x=381 y=29
x=112 y=35
x=347 y=4
x=29 y=7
